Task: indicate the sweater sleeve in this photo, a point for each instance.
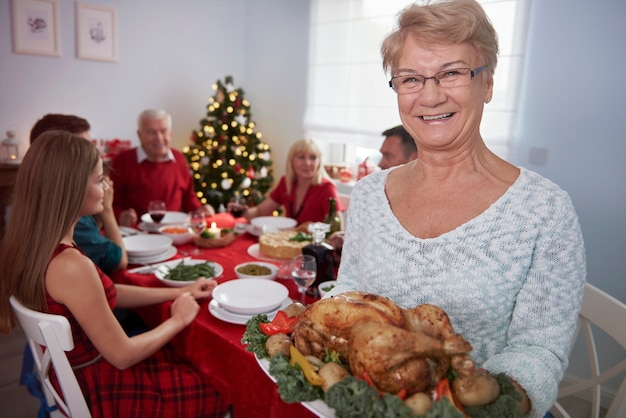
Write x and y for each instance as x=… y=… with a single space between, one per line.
x=546 y=310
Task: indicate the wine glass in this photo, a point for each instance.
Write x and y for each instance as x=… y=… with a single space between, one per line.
x=197 y=224
x=303 y=272
x=156 y=209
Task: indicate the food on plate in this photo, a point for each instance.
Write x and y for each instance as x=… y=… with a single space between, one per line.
x=365 y=356
x=174 y=230
x=280 y=245
x=188 y=272
x=295 y=309
x=332 y=373
x=254 y=270
x=278 y=343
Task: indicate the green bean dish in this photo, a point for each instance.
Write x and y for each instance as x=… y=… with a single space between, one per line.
x=189 y=272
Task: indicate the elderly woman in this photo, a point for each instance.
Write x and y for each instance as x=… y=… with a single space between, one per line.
x=305 y=188
x=498 y=247
x=61 y=179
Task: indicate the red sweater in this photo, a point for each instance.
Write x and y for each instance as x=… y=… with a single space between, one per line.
x=137 y=184
x=314 y=207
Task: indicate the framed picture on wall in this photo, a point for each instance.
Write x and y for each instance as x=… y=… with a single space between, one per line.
x=96 y=32
x=36 y=27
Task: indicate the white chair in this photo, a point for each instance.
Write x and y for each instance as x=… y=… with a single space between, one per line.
x=54 y=333
x=608 y=314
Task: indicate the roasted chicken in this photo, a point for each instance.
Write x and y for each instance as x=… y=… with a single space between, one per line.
x=398 y=349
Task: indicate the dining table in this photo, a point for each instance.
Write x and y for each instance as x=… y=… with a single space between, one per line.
x=214 y=346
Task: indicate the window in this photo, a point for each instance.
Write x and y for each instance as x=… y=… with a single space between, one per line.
x=349 y=102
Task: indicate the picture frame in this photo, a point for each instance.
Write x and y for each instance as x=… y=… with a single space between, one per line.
x=36 y=27
x=96 y=32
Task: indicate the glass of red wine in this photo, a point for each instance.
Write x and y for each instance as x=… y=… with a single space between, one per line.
x=156 y=209
x=235 y=207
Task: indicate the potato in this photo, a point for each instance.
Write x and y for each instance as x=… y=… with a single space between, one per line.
x=419 y=403
x=478 y=389
x=332 y=373
x=295 y=309
x=278 y=343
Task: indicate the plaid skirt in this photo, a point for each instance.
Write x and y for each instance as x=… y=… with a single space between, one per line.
x=160 y=386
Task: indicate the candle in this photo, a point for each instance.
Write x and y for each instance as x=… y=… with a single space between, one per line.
x=214 y=230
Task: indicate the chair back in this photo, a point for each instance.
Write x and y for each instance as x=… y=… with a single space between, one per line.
x=54 y=333
x=608 y=314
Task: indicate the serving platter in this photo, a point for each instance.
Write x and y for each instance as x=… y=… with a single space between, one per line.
x=318 y=407
x=162 y=271
x=255 y=251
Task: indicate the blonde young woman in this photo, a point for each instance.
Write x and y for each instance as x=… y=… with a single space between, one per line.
x=61 y=179
x=305 y=188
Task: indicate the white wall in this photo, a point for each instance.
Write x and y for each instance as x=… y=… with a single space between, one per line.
x=170 y=53
x=573 y=107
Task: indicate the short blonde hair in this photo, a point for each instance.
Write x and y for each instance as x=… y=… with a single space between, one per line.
x=301 y=146
x=447 y=22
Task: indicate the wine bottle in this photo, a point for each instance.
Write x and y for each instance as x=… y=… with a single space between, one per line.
x=332 y=219
x=323 y=254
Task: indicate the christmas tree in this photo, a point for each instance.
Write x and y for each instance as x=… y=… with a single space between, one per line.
x=227 y=156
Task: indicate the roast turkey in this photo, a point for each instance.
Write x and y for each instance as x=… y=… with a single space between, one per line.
x=398 y=349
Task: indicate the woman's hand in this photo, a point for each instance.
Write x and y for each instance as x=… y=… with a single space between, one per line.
x=185 y=308
x=201 y=289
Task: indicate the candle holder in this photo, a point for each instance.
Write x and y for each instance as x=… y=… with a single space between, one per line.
x=11 y=148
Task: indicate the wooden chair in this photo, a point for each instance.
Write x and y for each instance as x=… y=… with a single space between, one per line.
x=608 y=314
x=54 y=333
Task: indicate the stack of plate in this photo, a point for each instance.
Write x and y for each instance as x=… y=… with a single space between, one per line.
x=237 y=301
x=148 y=249
x=170 y=218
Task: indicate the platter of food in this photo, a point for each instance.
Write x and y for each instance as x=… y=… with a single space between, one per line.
x=255 y=251
x=359 y=354
x=187 y=272
x=318 y=407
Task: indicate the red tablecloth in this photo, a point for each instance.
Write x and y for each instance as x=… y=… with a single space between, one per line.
x=214 y=346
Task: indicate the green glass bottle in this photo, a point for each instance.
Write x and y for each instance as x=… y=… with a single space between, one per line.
x=332 y=219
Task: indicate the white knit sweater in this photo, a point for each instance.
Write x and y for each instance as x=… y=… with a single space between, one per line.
x=510 y=279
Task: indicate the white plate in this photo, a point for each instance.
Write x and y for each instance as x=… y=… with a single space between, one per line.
x=250 y=296
x=263 y=224
x=255 y=251
x=162 y=271
x=318 y=407
x=143 y=245
x=170 y=218
x=233 y=318
x=165 y=255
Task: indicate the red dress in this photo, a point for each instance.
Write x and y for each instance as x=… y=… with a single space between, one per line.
x=314 y=207
x=160 y=386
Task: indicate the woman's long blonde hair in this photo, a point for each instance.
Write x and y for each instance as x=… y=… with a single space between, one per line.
x=304 y=145
x=48 y=194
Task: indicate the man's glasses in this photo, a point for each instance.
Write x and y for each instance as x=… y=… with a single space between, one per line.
x=454 y=77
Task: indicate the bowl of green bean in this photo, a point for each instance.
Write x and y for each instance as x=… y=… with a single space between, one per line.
x=188 y=271
x=256 y=270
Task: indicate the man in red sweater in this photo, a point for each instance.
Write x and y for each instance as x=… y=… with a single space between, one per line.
x=153 y=171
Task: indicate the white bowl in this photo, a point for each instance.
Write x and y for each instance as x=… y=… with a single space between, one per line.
x=144 y=245
x=250 y=296
x=180 y=234
x=273 y=270
x=326 y=285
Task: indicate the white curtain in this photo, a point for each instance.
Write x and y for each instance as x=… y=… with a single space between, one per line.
x=349 y=101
